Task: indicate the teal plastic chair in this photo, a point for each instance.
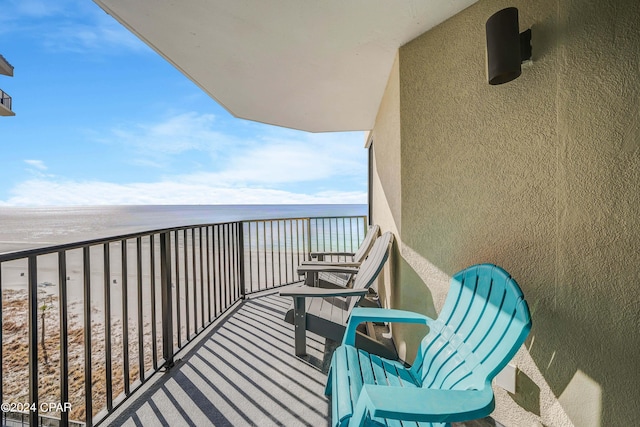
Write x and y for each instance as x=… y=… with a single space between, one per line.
x=483 y=323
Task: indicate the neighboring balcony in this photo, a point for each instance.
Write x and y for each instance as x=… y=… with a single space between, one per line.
x=5 y=104
x=178 y=326
x=5 y=68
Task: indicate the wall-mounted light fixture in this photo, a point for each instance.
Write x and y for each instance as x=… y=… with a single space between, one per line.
x=507 y=49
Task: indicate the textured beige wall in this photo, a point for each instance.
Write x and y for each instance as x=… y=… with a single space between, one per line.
x=386 y=183
x=541 y=176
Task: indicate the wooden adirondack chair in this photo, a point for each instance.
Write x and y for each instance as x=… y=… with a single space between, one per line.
x=373 y=231
x=315 y=272
x=325 y=311
x=483 y=323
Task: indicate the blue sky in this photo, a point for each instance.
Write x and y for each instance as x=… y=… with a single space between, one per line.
x=102 y=119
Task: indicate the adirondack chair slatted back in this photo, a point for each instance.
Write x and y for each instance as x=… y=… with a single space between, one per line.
x=369 y=238
x=482 y=324
x=372 y=265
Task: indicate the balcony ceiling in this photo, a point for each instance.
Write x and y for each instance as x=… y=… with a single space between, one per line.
x=303 y=64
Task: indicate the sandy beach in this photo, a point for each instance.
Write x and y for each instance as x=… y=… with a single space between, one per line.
x=15 y=325
x=15 y=361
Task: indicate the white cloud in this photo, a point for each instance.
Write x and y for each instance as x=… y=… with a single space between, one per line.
x=37 y=169
x=68 y=25
x=281 y=163
x=178 y=133
x=37 y=8
x=100 y=35
x=38 y=164
x=41 y=192
x=264 y=155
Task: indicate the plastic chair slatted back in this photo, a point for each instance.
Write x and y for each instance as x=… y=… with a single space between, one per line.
x=483 y=316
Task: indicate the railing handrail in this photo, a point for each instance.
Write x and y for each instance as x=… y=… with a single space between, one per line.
x=45 y=250
x=5 y=99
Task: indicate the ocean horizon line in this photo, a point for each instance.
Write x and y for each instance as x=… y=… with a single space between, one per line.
x=27 y=228
x=126 y=205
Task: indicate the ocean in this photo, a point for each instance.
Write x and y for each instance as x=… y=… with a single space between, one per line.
x=27 y=228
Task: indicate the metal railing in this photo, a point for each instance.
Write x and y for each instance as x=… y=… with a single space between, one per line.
x=5 y=99
x=85 y=324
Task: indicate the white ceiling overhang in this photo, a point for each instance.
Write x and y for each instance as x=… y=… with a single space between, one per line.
x=315 y=65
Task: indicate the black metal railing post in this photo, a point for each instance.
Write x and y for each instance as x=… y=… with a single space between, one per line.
x=88 y=396
x=309 y=238
x=64 y=338
x=106 y=254
x=141 y=367
x=33 y=339
x=152 y=271
x=243 y=290
x=167 y=303
x=125 y=316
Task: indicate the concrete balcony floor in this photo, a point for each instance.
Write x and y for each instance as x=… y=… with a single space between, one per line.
x=241 y=372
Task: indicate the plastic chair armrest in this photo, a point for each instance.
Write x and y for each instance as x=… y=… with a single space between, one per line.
x=361 y=314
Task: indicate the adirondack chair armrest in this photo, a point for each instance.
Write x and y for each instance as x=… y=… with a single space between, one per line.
x=329 y=268
x=317 y=254
x=331 y=263
x=311 y=292
x=362 y=314
x=422 y=404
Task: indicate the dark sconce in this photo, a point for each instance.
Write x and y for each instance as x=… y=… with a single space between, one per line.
x=507 y=49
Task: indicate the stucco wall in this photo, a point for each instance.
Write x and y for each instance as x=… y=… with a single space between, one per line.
x=541 y=176
x=386 y=187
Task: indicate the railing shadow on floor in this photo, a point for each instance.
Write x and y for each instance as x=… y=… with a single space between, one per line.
x=242 y=371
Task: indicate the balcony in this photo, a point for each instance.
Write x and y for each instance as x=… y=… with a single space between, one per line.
x=5 y=104
x=186 y=328
x=5 y=68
